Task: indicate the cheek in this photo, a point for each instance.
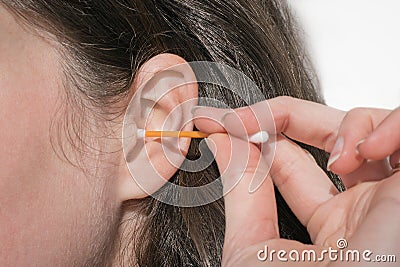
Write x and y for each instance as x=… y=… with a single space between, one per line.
x=28 y=200
x=25 y=132
x=27 y=101
x=47 y=206
x=28 y=93
x=51 y=214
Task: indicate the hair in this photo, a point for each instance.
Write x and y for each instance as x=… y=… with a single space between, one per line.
x=104 y=43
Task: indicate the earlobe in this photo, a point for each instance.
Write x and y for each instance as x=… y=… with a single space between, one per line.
x=165 y=92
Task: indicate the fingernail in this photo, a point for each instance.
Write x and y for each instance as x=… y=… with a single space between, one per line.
x=357 y=146
x=336 y=152
x=258 y=179
x=227 y=116
x=233 y=124
x=211 y=145
x=195 y=108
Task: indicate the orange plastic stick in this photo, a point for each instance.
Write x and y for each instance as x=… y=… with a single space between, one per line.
x=191 y=134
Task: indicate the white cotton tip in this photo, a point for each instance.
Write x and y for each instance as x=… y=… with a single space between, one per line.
x=260 y=137
x=141 y=133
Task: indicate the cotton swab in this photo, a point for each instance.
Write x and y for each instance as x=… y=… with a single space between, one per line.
x=260 y=137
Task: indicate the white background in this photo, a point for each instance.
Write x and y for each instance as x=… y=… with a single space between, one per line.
x=355 y=47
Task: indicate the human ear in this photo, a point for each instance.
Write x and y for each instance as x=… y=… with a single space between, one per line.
x=165 y=90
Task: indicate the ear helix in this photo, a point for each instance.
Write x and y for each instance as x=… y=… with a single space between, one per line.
x=156 y=105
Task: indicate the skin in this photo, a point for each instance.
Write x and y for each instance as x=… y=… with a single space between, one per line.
x=365 y=215
x=59 y=207
x=55 y=214
x=45 y=219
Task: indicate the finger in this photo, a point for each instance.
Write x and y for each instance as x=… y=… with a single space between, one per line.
x=250 y=217
x=369 y=171
x=384 y=140
x=356 y=125
x=378 y=231
x=308 y=122
x=313 y=124
x=209 y=119
x=303 y=184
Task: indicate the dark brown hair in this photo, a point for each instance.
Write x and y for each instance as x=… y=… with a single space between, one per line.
x=106 y=41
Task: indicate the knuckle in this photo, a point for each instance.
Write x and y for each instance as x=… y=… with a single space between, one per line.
x=357 y=113
x=285 y=99
x=282 y=172
x=358 y=110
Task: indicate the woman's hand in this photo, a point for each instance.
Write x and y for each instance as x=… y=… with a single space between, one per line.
x=366 y=215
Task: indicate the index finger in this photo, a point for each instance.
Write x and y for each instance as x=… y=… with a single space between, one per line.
x=305 y=121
